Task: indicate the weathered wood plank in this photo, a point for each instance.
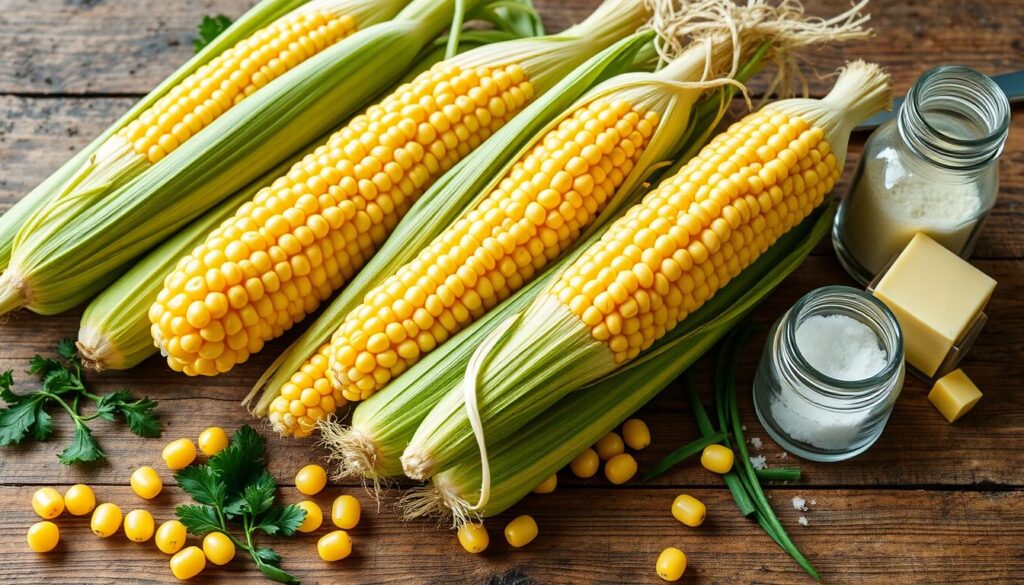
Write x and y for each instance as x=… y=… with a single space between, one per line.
x=919 y=447
x=37 y=135
x=594 y=536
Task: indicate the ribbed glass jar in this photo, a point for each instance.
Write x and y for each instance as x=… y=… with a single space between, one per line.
x=811 y=414
x=932 y=169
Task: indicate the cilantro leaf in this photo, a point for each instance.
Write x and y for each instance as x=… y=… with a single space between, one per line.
x=21 y=418
x=268 y=555
x=67 y=350
x=83 y=448
x=259 y=495
x=42 y=367
x=241 y=462
x=283 y=520
x=62 y=381
x=44 y=423
x=209 y=29
x=277 y=574
x=138 y=414
x=202 y=484
x=198 y=520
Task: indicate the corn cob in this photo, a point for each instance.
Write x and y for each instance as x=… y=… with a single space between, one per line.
x=246 y=25
x=308 y=233
x=73 y=246
x=115 y=328
x=438 y=207
x=581 y=418
x=654 y=266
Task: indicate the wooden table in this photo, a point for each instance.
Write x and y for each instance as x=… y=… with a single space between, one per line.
x=930 y=503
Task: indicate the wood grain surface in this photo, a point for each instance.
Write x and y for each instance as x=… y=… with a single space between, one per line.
x=930 y=503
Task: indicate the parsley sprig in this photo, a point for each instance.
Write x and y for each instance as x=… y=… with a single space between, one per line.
x=25 y=416
x=235 y=486
x=209 y=29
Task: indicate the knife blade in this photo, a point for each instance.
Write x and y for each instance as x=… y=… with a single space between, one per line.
x=1012 y=85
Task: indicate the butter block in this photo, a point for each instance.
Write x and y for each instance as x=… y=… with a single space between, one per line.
x=954 y=395
x=935 y=296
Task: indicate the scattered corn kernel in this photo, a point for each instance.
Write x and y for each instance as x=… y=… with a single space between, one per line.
x=345 y=512
x=188 y=563
x=954 y=395
x=43 y=536
x=473 y=537
x=47 y=503
x=179 y=454
x=689 y=510
x=139 y=525
x=218 y=548
x=334 y=546
x=609 y=446
x=717 y=458
x=671 y=564
x=106 y=519
x=314 y=516
x=311 y=479
x=620 y=469
x=146 y=483
x=636 y=434
x=521 y=531
x=212 y=441
x=548 y=485
x=79 y=499
x=170 y=537
x=585 y=464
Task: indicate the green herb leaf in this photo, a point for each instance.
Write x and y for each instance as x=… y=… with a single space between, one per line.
x=283 y=520
x=277 y=574
x=40 y=366
x=43 y=428
x=139 y=415
x=268 y=555
x=83 y=448
x=21 y=418
x=209 y=29
x=241 y=462
x=67 y=350
x=259 y=495
x=202 y=484
x=198 y=520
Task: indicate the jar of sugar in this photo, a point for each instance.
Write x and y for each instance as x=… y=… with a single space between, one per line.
x=830 y=374
x=931 y=169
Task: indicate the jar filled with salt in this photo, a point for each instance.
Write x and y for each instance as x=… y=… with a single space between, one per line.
x=931 y=169
x=830 y=374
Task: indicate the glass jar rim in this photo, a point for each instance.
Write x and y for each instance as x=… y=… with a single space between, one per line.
x=856 y=391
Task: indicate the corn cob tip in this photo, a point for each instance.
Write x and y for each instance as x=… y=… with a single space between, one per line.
x=416 y=463
x=13 y=293
x=352 y=454
x=92 y=357
x=435 y=501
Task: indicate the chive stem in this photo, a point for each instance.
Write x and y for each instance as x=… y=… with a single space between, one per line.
x=685 y=452
x=778 y=474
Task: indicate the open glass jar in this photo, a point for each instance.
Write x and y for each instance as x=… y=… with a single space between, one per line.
x=816 y=416
x=932 y=169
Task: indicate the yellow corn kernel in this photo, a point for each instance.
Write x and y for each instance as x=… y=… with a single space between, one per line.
x=188 y=563
x=47 y=503
x=536 y=212
x=218 y=548
x=139 y=525
x=146 y=483
x=309 y=392
x=170 y=537
x=620 y=469
x=79 y=499
x=212 y=441
x=314 y=516
x=473 y=537
x=698 y=230
x=689 y=510
x=334 y=546
x=671 y=564
x=43 y=537
x=231 y=77
x=609 y=446
x=636 y=434
x=717 y=458
x=179 y=454
x=521 y=531
x=303 y=236
x=106 y=519
x=548 y=485
x=345 y=512
x=585 y=464
x=311 y=479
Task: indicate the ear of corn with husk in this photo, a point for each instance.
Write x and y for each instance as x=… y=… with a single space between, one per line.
x=115 y=330
x=577 y=421
x=310 y=231
x=62 y=258
x=653 y=267
x=253 y=20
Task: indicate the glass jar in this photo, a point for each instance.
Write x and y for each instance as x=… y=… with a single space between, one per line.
x=811 y=414
x=931 y=169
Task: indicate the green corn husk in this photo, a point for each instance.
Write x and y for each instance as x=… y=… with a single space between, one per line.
x=548 y=351
x=580 y=419
x=440 y=205
x=61 y=259
x=114 y=333
x=256 y=18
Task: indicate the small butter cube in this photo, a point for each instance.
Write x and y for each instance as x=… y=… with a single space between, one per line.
x=954 y=395
x=935 y=296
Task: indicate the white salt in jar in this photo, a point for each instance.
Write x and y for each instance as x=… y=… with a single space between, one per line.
x=830 y=374
x=932 y=169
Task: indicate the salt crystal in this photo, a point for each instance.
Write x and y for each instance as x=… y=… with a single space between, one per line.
x=814 y=502
x=799 y=503
x=758 y=462
x=783 y=455
x=840 y=347
x=756 y=443
x=802 y=520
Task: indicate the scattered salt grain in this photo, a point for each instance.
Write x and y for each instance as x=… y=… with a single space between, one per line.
x=799 y=503
x=814 y=502
x=756 y=443
x=783 y=455
x=802 y=520
x=758 y=462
